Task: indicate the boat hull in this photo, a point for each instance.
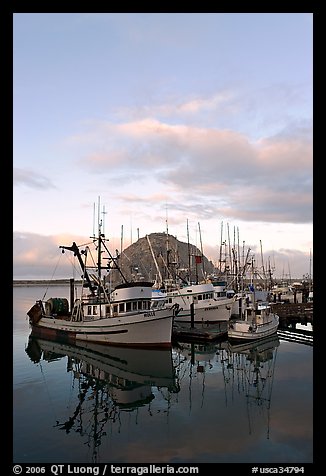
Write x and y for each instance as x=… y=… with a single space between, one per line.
x=212 y=313
x=134 y=331
x=239 y=330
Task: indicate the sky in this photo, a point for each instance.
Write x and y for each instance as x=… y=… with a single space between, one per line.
x=199 y=124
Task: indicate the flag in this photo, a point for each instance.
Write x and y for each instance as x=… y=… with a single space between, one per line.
x=198 y=259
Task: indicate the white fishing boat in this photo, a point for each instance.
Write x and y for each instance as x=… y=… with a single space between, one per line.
x=197 y=304
x=124 y=316
x=256 y=320
x=286 y=293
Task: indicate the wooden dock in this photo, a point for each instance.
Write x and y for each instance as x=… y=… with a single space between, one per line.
x=299 y=311
x=200 y=333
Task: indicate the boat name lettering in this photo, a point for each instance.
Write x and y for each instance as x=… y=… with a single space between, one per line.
x=149 y=314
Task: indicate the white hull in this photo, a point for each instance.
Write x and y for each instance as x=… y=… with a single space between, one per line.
x=149 y=329
x=250 y=347
x=208 y=308
x=247 y=330
x=214 y=311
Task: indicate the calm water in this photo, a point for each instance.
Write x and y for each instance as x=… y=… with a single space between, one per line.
x=194 y=404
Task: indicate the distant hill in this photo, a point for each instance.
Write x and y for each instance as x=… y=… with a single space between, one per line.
x=158 y=257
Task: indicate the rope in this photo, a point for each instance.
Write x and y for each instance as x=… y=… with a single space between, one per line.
x=47 y=288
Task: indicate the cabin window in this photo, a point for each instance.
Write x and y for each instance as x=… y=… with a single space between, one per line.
x=121 y=307
x=200 y=297
x=115 y=308
x=140 y=305
x=134 y=306
x=170 y=301
x=94 y=310
x=107 y=310
x=128 y=306
x=89 y=310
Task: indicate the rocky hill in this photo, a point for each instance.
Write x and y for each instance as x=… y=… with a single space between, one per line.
x=160 y=257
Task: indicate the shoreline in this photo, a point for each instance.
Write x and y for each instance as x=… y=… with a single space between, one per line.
x=41 y=282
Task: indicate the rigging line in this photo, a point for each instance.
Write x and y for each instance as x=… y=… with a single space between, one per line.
x=85 y=244
x=203 y=390
x=56 y=266
x=72 y=386
x=73 y=264
x=270 y=393
x=49 y=395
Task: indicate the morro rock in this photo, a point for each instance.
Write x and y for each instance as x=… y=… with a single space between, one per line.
x=161 y=258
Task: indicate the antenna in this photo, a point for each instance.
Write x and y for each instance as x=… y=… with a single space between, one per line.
x=103 y=214
x=94 y=219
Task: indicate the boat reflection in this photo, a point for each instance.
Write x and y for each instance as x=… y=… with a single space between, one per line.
x=110 y=380
x=248 y=370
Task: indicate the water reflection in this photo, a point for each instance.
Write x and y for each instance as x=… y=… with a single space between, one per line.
x=109 y=380
x=144 y=399
x=248 y=370
x=298 y=330
x=115 y=407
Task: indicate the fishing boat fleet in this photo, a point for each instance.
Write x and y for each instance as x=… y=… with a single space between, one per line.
x=136 y=313
x=133 y=314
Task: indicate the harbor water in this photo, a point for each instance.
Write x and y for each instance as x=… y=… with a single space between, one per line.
x=195 y=403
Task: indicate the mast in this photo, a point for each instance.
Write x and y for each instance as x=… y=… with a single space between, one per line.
x=220 y=260
x=201 y=249
x=229 y=254
x=310 y=274
x=99 y=272
x=155 y=261
x=188 y=251
x=262 y=262
x=121 y=240
x=168 y=251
